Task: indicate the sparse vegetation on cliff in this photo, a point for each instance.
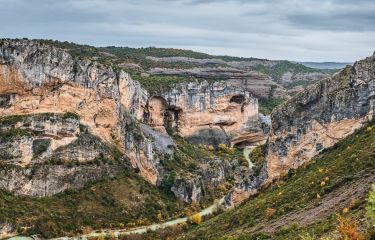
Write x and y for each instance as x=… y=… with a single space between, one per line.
x=126 y=200
x=340 y=167
x=267 y=105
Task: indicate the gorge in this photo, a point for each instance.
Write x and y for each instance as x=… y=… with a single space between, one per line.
x=70 y=121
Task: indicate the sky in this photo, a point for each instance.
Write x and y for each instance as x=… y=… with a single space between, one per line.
x=298 y=30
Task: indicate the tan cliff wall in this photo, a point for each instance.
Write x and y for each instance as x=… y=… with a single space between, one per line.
x=68 y=121
x=320 y=116
x=208 y=113
x=311 y=121
x=37 y=78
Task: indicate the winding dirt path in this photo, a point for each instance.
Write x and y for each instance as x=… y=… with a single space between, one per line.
x=207 y=211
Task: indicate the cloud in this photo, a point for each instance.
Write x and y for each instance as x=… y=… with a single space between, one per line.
x=311 y=30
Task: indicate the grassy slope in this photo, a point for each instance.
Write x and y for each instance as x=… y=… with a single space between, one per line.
x=340 y=164
x=125 y=200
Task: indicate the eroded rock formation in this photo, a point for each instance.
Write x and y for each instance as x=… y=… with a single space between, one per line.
x=313 y=120
x=41 y=83
x=208 y=113
x=66 y=122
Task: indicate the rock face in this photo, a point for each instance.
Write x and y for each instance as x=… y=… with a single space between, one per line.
x=66 y=122
x=208 y=113
x=42 y=84
x=313 y=120
x=258 y=84
x=261 y=77
x=320 y=116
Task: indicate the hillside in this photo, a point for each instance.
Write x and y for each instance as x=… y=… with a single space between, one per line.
x=85 y=146
x=325 y=65
x=307 y=200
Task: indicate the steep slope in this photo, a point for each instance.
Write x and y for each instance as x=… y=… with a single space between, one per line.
x=67 y=122
x=320 y=116
x=313 y=120
x=62 y=114
x=307 y=200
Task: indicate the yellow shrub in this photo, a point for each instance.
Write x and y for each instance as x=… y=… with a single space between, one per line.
x=195 y=219
x=348 y=228
x=101 y=237
x=210 y=148
x=224 y=148
x=87 y=230
x=270 y=212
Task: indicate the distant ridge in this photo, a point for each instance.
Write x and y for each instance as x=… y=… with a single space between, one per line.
x=325 y=65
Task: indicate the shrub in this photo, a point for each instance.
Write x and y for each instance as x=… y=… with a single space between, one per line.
x=348 y=228
x=270 y=212
x=195 y=219
x=224 y=148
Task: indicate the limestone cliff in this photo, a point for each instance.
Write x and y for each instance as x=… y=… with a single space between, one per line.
x=40 y=83
x=320 y=116
x=313 y=120
x=208 y=113
x=67 y=121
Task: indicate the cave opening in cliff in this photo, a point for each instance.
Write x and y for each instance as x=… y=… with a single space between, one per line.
x=237 y=99
x=171 y=119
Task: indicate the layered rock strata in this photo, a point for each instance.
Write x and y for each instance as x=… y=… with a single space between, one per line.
x=208 y=113
x=313 y=120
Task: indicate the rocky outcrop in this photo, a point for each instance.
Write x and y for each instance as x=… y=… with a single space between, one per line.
x=313 y=120
x=320 y=116
x=68 y=121
x=258 y=84
x=207 y=113
x=42 y=83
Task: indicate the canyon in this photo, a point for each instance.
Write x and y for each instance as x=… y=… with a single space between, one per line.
x=69 y=121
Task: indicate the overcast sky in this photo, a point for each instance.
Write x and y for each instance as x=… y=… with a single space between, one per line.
x=301 y=30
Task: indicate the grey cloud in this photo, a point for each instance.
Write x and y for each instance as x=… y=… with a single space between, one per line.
x=277 y=29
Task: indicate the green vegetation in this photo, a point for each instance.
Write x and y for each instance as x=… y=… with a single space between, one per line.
x=156 y=52
x=156 y=84
x=6 y=135
x=40 y=146
x=14 y=119
x=340 y=165
x=258 y=156
x=371 y=205
x=302 y=83
x=187 y=156
x=267 y=105
x=126 y=200
x=277 y=70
